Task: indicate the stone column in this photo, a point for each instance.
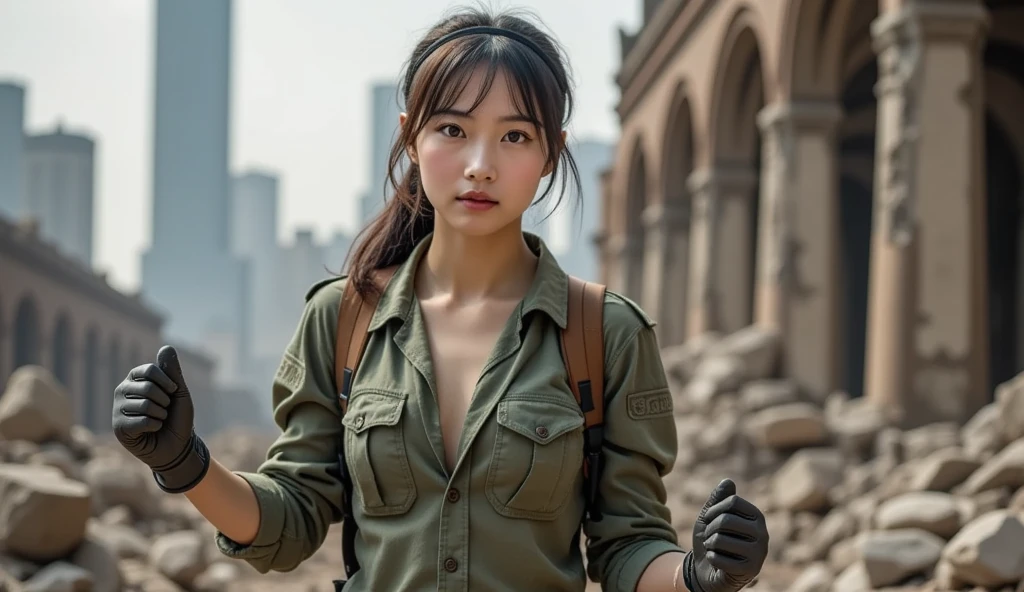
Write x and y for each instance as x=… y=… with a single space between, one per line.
x=797 y=291
x=623 y=251
x=666 y=253
x=927 y=349
x=720 y=263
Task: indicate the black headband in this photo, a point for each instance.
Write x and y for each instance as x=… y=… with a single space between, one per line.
x=481 y=30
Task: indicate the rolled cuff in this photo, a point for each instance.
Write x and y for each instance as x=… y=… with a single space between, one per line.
x=626 y=572
x=271 y=501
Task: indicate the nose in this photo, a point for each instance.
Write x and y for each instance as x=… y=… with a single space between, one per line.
x=480 y=165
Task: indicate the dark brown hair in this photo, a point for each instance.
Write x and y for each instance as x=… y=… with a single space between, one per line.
x=540 y=93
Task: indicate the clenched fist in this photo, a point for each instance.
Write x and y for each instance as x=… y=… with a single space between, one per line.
x=730 y=543
x=153 y=419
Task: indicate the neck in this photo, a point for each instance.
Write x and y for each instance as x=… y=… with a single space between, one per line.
x=470 y=268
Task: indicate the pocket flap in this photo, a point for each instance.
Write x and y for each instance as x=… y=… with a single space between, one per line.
x=368 y=409
x=540 y=421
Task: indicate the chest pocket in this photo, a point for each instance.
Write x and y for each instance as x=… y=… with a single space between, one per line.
x=375 y=453
x=537 y=458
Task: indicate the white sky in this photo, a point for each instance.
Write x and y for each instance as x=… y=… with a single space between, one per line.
x=302 y=70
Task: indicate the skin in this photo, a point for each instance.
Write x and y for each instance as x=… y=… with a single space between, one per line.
x=476 y=271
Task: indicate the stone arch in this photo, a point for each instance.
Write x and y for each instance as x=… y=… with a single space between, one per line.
x=91 y=360
x=852 y=74
x=814 y=43
x=1003 y=61
x=740 y=92
x=63 y=350
x=27 y=333
x=676 y=167
x=637 y=190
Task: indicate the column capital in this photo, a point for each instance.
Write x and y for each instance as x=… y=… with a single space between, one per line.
x=824 y=113
x=932 y=19
x=722 y=177
x=666 y=215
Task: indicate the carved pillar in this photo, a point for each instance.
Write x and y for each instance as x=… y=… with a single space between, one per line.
x=797 y=291
x=666 y=253
x=927 y=355
x=720 y=253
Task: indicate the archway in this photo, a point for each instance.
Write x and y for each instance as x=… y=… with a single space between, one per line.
x=26 y=333
x=857 y=73
x=738 y=98
x=62 y=348
x=676 y=169
x=92 y=361
x=1004 y=181
x=636 y=199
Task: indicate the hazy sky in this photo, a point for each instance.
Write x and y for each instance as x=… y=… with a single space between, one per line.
x=302 y=70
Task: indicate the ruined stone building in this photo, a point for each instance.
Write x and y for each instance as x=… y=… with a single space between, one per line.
x=848 y=172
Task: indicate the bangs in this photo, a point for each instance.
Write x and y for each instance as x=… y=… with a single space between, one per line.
x=532 y=87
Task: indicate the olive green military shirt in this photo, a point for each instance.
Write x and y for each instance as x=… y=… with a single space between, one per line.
x=508 y=517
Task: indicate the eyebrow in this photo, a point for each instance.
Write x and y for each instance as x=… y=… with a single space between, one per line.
x=503 y=119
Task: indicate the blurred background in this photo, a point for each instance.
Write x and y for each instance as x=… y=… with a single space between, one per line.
x=819 y=202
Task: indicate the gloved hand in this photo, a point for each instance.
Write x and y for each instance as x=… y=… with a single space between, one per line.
x=153 y=419
x=730 y=543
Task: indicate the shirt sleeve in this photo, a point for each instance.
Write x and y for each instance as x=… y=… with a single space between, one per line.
x=298 y=487
x=639 y=450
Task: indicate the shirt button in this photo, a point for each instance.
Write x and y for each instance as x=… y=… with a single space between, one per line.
x=359 y=421
x=450 y=565
x=542 y=431
x=453 y=495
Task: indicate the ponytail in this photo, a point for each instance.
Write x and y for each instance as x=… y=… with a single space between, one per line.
x=389 y=239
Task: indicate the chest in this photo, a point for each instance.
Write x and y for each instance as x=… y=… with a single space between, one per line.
x=461 y=342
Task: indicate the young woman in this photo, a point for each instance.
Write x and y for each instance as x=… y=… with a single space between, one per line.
x=462 y=437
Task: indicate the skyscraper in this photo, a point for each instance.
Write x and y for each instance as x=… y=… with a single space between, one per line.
x=12 y=125
x=58 y=184
x=254 y=208
x=385 y=109
x=189 y=271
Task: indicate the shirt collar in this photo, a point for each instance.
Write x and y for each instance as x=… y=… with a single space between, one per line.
x=549 y=292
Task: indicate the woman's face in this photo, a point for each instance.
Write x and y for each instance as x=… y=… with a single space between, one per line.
x=480 y=170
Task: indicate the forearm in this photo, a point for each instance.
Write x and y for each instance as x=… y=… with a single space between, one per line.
x=228 y=502
x=659 y=575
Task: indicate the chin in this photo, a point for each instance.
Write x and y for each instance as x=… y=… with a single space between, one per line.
x=477 y=225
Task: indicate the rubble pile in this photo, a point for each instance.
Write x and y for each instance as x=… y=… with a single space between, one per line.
x=853 y=502
x=79 y=514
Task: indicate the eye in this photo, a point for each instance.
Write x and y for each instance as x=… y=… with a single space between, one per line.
x=516 y=136
x=450 y=130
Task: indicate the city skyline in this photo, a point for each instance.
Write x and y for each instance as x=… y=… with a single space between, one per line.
x=320 y=186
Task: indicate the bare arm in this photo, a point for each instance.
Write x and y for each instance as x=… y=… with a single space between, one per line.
x=228 y=502
x=658 y=577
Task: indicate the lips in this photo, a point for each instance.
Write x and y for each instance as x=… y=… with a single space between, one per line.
x=477 y=197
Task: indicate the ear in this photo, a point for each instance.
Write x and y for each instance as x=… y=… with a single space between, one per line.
x=410 y=150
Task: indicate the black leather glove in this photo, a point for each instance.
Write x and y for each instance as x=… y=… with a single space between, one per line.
x=153 y=419
x=730 y=543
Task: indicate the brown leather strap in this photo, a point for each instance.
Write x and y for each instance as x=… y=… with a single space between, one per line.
x=583 y=349
x=353 y=321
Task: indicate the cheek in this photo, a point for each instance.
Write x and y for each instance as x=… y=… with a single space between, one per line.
x=439 y=167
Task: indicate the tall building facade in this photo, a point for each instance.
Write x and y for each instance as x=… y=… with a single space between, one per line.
x=58 y=178
x=189 y=271
x=12 y=130
x=254 y=219
x=385 y=109
x=849 y=173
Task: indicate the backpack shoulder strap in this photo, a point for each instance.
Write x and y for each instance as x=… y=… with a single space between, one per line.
x=354 y=319
x=583 y=352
